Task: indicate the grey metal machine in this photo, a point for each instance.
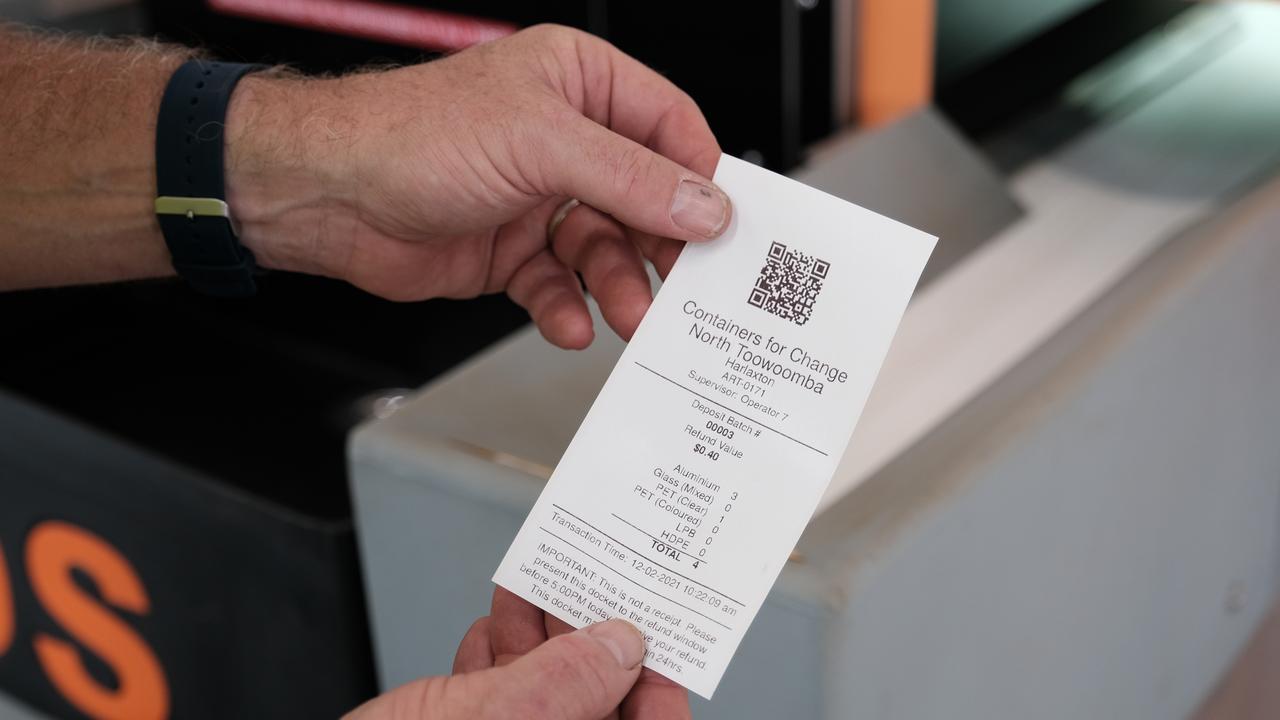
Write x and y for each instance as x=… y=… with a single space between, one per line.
x=1063 y=499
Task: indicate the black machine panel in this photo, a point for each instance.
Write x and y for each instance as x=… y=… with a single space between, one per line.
x=761 y=71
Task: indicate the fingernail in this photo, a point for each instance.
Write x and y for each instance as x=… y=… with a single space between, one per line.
x=621 y=638
x=700 y=208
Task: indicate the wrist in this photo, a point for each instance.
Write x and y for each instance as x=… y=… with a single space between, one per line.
x=286 y=180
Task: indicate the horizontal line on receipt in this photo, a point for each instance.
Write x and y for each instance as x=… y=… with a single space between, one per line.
x=735 y=412
x=633 y=582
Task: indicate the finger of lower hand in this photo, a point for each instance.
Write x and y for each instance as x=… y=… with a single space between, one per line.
x=556 y=627
x=579 y=675
x=475 y=652
x=655 y=697
x=515 y=628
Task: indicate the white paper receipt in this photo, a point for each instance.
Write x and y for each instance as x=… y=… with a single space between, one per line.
x=693 y=475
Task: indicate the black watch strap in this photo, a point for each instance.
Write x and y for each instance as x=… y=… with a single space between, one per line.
x=191 y=201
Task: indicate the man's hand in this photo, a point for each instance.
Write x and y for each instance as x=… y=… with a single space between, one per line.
x=516 y=628
x=439 y=180
x=430 y=181
x=507 y=667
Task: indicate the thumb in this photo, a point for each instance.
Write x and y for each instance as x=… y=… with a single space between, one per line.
x=582 y=675
x=641 y=188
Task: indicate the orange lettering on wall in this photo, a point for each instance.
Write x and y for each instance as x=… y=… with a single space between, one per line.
x=6 y=607
x=55 y=548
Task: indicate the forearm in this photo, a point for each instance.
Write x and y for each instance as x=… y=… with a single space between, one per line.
x=289 y=175
x=433 y=180
x=77 y=159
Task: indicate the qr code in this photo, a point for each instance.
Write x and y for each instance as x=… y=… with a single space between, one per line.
x=789 y=283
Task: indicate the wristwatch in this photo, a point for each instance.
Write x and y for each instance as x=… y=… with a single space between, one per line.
x=191 y=202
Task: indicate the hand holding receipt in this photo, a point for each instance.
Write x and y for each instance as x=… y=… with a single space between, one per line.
x=702 y=459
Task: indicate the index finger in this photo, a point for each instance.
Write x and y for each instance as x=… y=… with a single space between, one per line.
x=655 y=697
x=633 y=100
x=515 y=627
